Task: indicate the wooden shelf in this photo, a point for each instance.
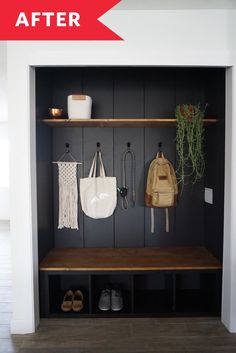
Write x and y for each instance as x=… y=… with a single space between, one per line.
x=129 y=259
x=117 y=122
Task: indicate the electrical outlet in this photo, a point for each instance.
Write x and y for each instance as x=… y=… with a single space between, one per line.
x=209 y=195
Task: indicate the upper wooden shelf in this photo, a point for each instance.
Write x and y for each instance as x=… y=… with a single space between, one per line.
x=116 y=122
x=129 y=259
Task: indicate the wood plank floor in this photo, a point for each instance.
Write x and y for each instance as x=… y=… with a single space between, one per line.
x=180 y=335
x=174 y=335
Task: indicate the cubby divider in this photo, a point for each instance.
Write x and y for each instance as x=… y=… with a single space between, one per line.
x=90 y=294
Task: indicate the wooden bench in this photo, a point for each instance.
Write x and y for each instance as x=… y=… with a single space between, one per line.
x=172 y=277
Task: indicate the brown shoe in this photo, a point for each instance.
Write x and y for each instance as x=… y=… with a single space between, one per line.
x=67 y=301
x=78 y=301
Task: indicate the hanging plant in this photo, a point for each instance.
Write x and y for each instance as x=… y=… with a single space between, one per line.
x=189 y=143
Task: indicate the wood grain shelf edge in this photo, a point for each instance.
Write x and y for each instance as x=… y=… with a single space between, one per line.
x=117 y=122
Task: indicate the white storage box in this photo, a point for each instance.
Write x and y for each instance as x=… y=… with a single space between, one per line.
x=79 y=106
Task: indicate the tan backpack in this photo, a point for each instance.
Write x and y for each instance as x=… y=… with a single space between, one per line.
x=162 y=189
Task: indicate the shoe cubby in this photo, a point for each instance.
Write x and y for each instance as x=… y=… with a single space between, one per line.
x=153 y=293
x=198 y=293
x=59 y=284
x=101 y=282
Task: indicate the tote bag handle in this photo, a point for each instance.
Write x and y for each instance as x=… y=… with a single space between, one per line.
x=92 y=172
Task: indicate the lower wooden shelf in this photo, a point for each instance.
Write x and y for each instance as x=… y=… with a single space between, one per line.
x=129 y=259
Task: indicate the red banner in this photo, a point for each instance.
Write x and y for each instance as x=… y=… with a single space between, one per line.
x=55 y=20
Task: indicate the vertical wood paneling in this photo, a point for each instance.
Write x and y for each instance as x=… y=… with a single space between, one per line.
x=159 y=93
x=190 y=215
x=67 y=237
x=98 y=232
x=152 y=138
x=98 y=84
x=66 y=81
x=129 y=224
x=132 y=93
x=215 y=156
x=190 y=86
x=128 y=93
x=212 y=97
x=44 y=168
x=45 y=88
x=190 y=89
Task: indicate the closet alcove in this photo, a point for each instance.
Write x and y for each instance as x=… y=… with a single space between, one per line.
x=175 y=273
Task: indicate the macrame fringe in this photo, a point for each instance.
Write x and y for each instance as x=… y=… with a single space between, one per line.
x=68 y=197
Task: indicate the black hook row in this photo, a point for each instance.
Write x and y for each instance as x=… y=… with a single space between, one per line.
x=67 y=145
x=99 y=146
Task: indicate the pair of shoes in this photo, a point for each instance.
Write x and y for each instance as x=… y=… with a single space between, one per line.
x=72 y=301
x=111 y=299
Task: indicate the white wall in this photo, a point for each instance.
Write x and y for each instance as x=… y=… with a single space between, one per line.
x=4 y=189
x=3 y=81
x=4 y=172
x=174 y=4
x=229 y=263
x=150 y=38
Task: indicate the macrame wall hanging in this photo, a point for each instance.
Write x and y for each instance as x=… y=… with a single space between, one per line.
x=68 y=195
x=68 y=192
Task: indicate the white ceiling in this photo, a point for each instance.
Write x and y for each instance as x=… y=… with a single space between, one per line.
x=175 y=4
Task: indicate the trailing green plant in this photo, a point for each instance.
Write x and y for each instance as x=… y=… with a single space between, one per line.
x=189 y=143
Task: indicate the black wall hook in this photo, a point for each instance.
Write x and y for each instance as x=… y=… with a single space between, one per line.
x=67 y=147
x=128 y=145
x=98 y=146
x=160 y=149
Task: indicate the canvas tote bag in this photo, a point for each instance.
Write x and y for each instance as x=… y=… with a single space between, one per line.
x=98 y=195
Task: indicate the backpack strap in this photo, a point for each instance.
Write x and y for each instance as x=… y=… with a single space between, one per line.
x=167 y=221
x=152 y=220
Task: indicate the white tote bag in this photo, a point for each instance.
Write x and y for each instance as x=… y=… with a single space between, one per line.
x=98 y=195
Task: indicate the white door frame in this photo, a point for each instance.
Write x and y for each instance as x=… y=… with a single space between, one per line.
x=228 y=305
x=148 y=42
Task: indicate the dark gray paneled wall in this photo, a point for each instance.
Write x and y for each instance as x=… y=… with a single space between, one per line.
x=215 y=159
x=134 y=93
x=44 y=166
x=130 y=92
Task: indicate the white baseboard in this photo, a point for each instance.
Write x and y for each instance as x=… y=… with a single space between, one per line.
x=21 y=327
x=5 y=224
